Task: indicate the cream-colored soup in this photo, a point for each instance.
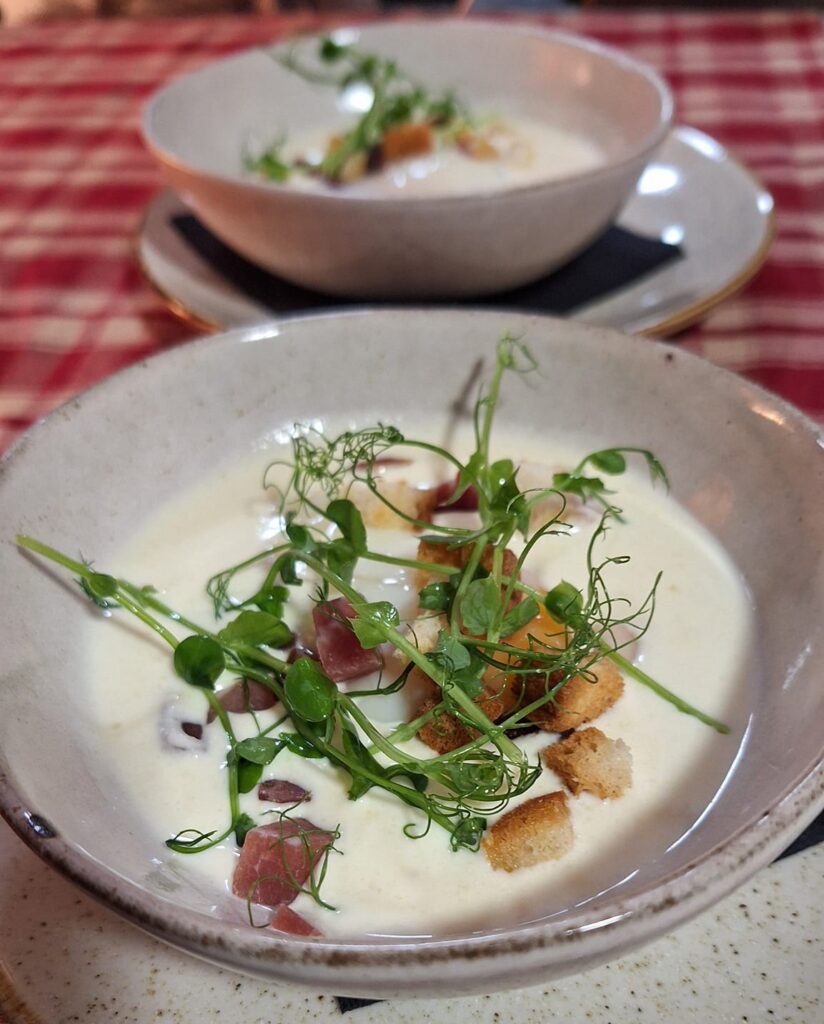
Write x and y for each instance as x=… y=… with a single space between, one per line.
x=382 y=882
x=531 y=151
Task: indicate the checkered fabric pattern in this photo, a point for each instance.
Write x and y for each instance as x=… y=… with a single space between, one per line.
x=75 y=180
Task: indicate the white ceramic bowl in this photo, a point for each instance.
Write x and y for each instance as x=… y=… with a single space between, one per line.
x=200 y=126
x=748 y=466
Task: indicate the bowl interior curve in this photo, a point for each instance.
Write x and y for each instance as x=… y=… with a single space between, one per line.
x=745 y=464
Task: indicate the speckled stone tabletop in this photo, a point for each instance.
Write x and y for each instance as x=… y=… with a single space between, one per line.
x=756 y=957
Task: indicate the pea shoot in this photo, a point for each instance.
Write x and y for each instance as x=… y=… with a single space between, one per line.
x=477 y=593
x=396 y=103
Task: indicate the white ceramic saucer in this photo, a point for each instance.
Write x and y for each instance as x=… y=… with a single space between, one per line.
x=63 y=958
x=694 y=194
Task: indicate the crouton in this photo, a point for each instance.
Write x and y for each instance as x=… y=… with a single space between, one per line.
x=443 y=554
x=405 y=140
x=424 y=632
x=476 y=146
x=588 y=761
x=580 y=700
x=439 y=554
x=537 y=830
x=411 y=501
x=353 y=168
x=500 y=692
x=443 y=732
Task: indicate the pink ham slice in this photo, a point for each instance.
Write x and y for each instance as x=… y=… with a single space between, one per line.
x=339 y=650
x=278 y=791
x=384 y=462
x=468 y=501
x=245 y=695
x=286 y=920
x=277 y=859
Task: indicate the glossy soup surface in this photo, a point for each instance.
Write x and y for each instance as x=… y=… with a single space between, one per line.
x=531 y=152
x=382 y=882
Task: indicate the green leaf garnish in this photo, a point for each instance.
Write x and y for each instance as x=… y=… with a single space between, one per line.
x=519 y=616
x=330 y=51
x=256 y=628
x=436 y=597
x=564 y=602
x=609 y=461
x=450 y=653
x=372 y=622
x=300 y=538
x=480 y=604
x=199 y=660
x=299 y=745
x=259 y=750
x=346 y=516
x=100 y=586
x=270 y=164
x=310 y=694
x=242 y=826
x=248 y=775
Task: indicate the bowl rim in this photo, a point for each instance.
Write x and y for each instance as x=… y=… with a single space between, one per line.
x=645 y=146
x=339 y=965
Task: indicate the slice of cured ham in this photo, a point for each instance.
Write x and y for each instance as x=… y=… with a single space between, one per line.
x=244 y=696
x=279 y=791
x=467 y=502
x=286 y=920
x=277 y=859
x=339 y=650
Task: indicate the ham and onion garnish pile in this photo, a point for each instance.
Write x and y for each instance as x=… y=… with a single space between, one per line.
x=484 y=659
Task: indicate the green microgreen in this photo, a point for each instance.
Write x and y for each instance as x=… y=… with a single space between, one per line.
x=436 y=597
x=257 y=628
x=608 y=460
x=310 y=694
x=200 y=661
x=482 y=602
x=394 y=100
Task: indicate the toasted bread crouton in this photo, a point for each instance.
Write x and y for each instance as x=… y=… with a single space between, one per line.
x=588 y=761
x=439 y=554
x=537 y=830
x=424 y=632
x=354 y=167
x=476 y=145
x=500 y=693
x=443 y=554
x=443 y=732
x=580 y=700
x=411 y=501
x=405 y=140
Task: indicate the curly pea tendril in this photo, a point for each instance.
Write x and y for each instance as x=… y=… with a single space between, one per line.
x=456 y=790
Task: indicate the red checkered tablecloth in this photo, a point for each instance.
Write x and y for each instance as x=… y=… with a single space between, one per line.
x=75 y=180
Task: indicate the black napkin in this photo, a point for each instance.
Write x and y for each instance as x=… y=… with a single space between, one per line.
x=347 y=1003
x=616 y=259
x=812 y=835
